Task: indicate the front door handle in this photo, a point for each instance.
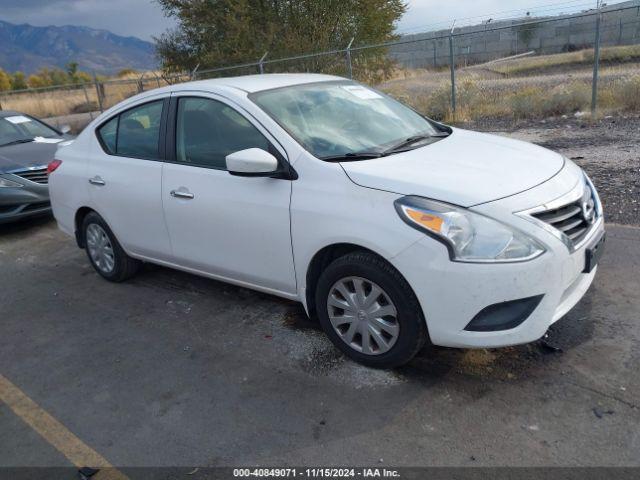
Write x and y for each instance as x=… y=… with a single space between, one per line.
x=182 y=194
x=97 y=181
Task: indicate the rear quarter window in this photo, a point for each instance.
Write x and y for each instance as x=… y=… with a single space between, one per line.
x=107 y=134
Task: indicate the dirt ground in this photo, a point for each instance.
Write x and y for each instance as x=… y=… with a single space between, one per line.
x=608 y=150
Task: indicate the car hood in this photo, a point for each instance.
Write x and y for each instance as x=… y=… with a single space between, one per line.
x=27 y=155
x=466 y=168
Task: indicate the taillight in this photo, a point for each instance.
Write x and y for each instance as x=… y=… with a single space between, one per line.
x=53 y=165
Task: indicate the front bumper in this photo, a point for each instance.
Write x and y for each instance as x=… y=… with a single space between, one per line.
x=30 y=200
x=452 y=294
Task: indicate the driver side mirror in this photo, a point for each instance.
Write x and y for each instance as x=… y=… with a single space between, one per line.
x=65 y=129
x=252 y=162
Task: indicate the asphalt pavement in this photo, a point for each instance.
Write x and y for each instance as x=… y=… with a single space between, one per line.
x=171 y=369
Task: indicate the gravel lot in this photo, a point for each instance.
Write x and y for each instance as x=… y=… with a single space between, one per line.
x=609 y=151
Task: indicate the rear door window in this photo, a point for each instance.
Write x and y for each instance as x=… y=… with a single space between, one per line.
x=135 y=132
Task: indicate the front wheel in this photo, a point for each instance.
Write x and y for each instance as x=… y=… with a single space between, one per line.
x=104 y=252
x=369 y=311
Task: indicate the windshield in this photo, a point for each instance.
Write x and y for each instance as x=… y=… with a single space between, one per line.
x=18 y=128
x=333 y=119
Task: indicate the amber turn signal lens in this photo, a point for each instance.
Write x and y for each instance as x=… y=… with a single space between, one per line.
x=427 y=220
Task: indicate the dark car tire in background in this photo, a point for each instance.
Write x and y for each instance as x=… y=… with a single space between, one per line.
x=104 y=251
x=405 y=328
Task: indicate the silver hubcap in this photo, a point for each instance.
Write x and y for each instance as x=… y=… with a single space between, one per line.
x=363 y=315
x=100 y=248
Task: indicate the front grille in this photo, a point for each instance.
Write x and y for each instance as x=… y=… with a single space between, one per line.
x=573 y=219
x=35 y=175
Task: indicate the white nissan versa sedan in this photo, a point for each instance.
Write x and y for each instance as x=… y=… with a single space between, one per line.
x=391 y=228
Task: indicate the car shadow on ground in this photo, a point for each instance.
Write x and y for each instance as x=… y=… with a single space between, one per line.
x=26 y=225
x=319 y=357
x=509 y=363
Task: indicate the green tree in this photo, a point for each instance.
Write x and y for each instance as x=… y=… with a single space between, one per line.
x=223 y=32
x=37 y=81
x=47 y=77
x=58 y=77
x=72 y=69
x=5 y=81
x=18 y=81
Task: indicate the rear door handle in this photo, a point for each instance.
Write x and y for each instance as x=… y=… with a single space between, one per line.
x=182 y=194
x=97 y=181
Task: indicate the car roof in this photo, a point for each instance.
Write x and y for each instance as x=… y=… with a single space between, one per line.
x=258 y=83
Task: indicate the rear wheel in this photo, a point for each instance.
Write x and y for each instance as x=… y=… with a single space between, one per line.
x=369 y=311
x=104 y=252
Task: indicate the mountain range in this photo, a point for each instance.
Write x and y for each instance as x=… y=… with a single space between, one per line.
x=27 y=48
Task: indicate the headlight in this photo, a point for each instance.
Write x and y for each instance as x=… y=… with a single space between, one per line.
x=470 y=237
x=8 y=183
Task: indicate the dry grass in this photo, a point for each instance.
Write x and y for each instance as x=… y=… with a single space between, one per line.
x=476 y=100
x=49 y=104
x=484 y=93
x=540 y=64
x=45 y=104
x=625 y=94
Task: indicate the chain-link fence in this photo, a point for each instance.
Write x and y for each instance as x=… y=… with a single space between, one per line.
x=512 y=69
x=584 y=64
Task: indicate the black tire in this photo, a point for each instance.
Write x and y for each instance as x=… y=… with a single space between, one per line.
x=124 y=267
x=413 y=330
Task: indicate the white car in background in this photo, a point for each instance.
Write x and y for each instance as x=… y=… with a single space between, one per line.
x=391 y=228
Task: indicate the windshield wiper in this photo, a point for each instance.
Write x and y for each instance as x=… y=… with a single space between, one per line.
x=398 y=147
x=347 y=157
x=15 y=142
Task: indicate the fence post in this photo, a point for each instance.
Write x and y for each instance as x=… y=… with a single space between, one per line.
x=453 y=71
x=348 y=55
x=435 y=54
x=86 y=97
x=596 y=65
x=194 y=72
x=140 y=84
x=261 y=63
x=620 y=32
x=95 y=82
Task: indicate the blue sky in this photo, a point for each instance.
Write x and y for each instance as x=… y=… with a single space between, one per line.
x=144 y=18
